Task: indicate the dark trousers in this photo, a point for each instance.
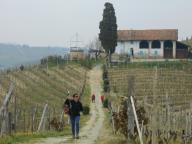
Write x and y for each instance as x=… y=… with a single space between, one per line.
x=75 y=125
x=93 y=100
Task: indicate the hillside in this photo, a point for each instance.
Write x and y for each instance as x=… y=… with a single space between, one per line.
x=162 y=95
x=35 y=86
x=174 y=81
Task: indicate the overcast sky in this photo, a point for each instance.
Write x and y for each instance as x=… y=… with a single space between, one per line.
x=55 y=22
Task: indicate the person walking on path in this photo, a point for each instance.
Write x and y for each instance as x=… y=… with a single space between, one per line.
x=75 y=107
x=93 y=98
x=102 y=98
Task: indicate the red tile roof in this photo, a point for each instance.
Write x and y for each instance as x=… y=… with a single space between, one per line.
x=152 y=34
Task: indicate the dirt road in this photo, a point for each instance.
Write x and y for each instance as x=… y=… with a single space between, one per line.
x=90 y=132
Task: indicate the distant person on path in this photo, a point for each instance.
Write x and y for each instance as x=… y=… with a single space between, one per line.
x=93 y=98
x=75 y=107
x=102 y=98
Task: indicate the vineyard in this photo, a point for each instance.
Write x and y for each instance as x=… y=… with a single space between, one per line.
x=162 y=94
x=38 y=95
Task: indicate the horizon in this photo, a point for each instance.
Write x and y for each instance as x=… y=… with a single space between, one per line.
x=55 y=23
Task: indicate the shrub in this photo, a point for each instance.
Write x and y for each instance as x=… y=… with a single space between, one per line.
x=105 y=75
x=105 y=103
x=21 y=67
x=86 y=110
x=106 y=85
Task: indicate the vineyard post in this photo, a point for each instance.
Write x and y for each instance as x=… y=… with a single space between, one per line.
x=62 y=117
x=4 y=123
x=49 y=119
x=57 y=62
x=42 y=121
x=167 y=115
x=32 y=122
x=15 y=113
x=118 y=109
x=9 y=122
x=24 y=121
x=142 y=128
x=190 y=117
x=112 y=119
x=4 y=110
x=186 y=125
x=29 y=120
x=34 y=110
x=130 y=114
x=154 y=111
x=136 y=120
x=47 y=63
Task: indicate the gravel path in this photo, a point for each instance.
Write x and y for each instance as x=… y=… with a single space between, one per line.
x=90 y=132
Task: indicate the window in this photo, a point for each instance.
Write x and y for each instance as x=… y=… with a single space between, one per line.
x=144 y=45
x=156 y=44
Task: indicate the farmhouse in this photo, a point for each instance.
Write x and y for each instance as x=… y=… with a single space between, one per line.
x=156 y=43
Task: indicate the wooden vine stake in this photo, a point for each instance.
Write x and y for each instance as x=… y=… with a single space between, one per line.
x=4 y=110
x=42 y=122
x=155 y=106
x=136 y=120
x=131 y=123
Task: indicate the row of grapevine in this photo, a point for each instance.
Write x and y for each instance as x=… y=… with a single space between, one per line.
x=38 y=96
x=163 y=93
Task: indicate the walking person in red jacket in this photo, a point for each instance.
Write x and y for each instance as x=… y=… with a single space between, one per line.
x=102 y=98
x=93 y=98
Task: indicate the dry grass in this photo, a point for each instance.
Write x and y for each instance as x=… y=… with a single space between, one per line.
x=35 y=86
x=175 y=82
x=106 y=135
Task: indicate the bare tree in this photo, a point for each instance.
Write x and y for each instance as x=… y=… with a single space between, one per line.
x=96 y=47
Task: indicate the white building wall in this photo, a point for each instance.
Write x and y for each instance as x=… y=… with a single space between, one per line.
x=157 y=52
x=125 y=48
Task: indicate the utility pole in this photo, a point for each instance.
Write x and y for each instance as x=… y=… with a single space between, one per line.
x=47 y=63
x=15 y=112
x=57 y=62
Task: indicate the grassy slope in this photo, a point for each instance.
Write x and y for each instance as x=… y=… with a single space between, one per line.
x=36 y=86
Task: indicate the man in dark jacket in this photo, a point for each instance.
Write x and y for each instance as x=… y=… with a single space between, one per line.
x=75 y=107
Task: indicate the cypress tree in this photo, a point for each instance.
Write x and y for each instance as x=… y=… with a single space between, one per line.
x=108 y=30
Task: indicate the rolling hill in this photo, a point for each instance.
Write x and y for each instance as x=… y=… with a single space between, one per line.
x=12 y=55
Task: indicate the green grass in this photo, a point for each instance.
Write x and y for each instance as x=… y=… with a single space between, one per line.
x=27 y=137
x=106 y=135
x=89 y=63
x=86 y=63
